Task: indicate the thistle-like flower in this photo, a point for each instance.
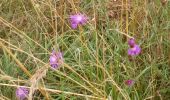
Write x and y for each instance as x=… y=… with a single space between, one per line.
x=22 y=93
x=129 y=82
x=77 y=19
x=56 y=59
x=131 y=42
x=134 y=48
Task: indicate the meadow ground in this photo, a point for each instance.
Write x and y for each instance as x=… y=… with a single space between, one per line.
x=96 y=64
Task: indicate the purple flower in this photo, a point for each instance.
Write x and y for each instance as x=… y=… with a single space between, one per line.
x=22 y=93
x=56 y=59
x=77 y=19
x=129 y=82
x=131 y=42
x=135 y=50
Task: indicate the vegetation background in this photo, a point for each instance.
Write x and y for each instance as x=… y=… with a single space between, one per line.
x=96 y=63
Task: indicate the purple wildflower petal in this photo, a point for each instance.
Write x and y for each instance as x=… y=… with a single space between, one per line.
x=22 y=93
x=56 y=59
x=77 y=19
x=54 y=66
x=131 y=42
x=129 y=82
x=134 y=50
x=74 y=26
x=130 y=52
x=60 y=55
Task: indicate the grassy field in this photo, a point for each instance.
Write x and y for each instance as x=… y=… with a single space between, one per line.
x=96 y=63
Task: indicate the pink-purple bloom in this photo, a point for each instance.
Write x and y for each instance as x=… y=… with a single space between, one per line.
x=134 y=48
x=129 y=82
x=131 y=42
x=56 y=59
x=22 y=93
x=77 y=19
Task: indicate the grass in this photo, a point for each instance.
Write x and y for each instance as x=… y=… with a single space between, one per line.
x=96 y=63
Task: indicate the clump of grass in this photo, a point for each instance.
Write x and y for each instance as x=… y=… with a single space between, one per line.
x=96 y=64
